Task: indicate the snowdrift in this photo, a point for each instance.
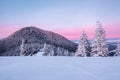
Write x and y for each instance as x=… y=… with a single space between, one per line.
x=59 y=68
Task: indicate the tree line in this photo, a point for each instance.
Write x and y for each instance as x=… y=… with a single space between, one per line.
x=98 y=47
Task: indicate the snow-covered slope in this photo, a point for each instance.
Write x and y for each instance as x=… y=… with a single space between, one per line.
x=33 y=39
x=59 y=68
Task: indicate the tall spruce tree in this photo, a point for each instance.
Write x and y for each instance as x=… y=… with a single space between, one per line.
x=99 y=47
x=83 y=46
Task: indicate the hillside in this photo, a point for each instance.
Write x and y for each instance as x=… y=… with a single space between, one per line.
x=35 y=39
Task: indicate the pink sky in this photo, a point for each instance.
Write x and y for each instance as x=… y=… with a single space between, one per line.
x=112 y=31
x=6 y=31
x=73 y=33
x=66 y=17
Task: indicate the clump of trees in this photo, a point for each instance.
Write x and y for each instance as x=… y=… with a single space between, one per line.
x=98 y=46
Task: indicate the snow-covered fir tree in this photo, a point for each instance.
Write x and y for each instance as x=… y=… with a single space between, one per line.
x=44 y=50
x=48 y=50
x=52 y=51
x=83 y=46
x=66 y=52
x=59 y=51
x=117 y=51
x=99 y=47
x=22 y=48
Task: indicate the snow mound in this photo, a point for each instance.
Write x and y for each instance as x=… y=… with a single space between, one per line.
x=59 y=68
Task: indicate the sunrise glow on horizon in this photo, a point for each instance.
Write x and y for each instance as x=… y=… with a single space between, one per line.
x=66 y=17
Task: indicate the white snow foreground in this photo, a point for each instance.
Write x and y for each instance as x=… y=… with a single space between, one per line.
x=59 y=68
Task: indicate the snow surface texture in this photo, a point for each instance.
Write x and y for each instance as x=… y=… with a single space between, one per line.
x=59 y=68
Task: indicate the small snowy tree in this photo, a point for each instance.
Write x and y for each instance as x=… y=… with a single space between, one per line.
x=99 y=47
x=83 y=46
x=52 y=51
x=66 y=52
x=117 y=49
x=22 y=48
x=45 y=50
x=62 y=51
x=48 y=50
x=59 y=52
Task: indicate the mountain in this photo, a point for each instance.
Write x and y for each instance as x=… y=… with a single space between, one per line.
x=34 y=40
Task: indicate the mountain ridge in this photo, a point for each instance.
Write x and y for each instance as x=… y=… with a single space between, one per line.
x=10 y=46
